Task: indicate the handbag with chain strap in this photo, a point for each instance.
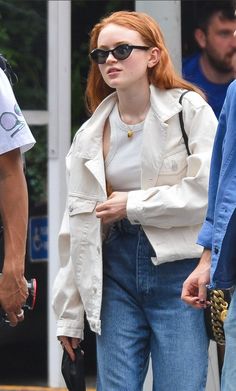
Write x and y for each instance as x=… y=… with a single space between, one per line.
x=215 y=314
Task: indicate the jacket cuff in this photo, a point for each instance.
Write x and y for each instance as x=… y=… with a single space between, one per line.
x=134 y=208
x=205 y=235
x=70 y=328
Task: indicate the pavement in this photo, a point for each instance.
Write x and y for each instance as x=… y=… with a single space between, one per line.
x=35 y=388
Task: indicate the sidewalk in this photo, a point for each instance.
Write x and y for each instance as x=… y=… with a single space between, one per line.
x=32 y=388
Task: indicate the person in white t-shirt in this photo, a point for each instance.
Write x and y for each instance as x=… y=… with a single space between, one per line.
x=15 y=138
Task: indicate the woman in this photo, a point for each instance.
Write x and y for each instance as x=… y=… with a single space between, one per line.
x=132 y=184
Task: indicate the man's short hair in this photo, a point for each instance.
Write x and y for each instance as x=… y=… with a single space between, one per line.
x=207 y=9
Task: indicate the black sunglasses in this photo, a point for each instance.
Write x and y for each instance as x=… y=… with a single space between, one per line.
x=120 y=52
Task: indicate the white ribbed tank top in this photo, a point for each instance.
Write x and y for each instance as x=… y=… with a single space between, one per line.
x=123 y=161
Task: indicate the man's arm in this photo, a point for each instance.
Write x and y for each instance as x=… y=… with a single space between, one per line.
x=194 y=288
x=14 y=215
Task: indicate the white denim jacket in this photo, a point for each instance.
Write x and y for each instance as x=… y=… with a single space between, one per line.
x=170 y=205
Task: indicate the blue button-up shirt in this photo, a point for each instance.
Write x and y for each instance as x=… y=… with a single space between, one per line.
x=218 y=232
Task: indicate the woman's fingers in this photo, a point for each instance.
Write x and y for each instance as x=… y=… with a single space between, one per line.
x=69 y=344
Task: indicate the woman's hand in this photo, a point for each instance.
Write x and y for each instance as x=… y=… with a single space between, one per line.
x=194 y=290
x=114 y=209
x=69 y=343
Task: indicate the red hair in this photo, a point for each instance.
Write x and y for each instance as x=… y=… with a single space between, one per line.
x=162 y=75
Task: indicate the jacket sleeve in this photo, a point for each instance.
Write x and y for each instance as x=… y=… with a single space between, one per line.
x=183 y=203
x=205 y=235
x=66 y=302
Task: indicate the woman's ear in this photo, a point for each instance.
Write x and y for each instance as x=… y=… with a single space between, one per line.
x=154 y=57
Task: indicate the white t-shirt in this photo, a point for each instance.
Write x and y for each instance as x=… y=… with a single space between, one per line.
x=123 y=161
x=14 y=131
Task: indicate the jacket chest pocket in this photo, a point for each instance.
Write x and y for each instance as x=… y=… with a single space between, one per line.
x=85 y=230
x=82 y=221
x=173 y=169
x=78 y=205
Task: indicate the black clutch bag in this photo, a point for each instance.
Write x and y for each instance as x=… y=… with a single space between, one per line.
x=73 y=371
x=216 y=313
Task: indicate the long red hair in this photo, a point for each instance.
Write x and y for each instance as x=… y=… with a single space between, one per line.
x=163 y=75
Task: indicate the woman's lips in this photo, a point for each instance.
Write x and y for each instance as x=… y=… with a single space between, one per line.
x=112 y=71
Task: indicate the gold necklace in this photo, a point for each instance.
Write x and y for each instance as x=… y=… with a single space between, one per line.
x=130 y=133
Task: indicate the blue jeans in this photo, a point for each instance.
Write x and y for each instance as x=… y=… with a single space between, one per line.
x=228 y=378
x=142 y=314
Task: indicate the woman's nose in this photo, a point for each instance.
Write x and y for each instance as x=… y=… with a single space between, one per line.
x=110 y=58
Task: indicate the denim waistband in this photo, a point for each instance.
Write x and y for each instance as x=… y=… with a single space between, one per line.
x=124 y=225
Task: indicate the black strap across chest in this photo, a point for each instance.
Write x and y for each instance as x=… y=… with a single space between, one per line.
x=181 y=121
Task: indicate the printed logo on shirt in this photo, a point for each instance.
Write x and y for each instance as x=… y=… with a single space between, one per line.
x=12 y=121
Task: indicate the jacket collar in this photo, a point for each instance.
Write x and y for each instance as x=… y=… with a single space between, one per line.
x=92 y=129
x=164 y=104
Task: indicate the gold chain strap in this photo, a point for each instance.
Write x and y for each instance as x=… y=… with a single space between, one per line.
x=219 y=308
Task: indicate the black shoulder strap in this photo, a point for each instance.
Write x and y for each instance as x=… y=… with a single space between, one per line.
x=181 y=121
x=7 y=69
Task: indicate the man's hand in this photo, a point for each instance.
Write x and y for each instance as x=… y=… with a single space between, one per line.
x=13 y=295
x=114 y=209
x=69 y=344
x=194 y=288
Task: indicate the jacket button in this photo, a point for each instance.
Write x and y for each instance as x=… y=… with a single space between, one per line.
x=216 y=250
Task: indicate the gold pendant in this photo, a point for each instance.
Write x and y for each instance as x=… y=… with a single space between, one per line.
x=130 y=133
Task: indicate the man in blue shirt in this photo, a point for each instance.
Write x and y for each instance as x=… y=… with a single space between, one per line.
x=218 y=234
x=211 y=69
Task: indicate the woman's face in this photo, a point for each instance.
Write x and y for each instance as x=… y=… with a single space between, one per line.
x=123 y=74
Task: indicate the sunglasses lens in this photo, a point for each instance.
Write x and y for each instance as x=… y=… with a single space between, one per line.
x=121 y=52
x=99 y=56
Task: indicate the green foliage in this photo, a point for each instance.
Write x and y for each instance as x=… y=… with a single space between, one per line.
x=23 y=42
